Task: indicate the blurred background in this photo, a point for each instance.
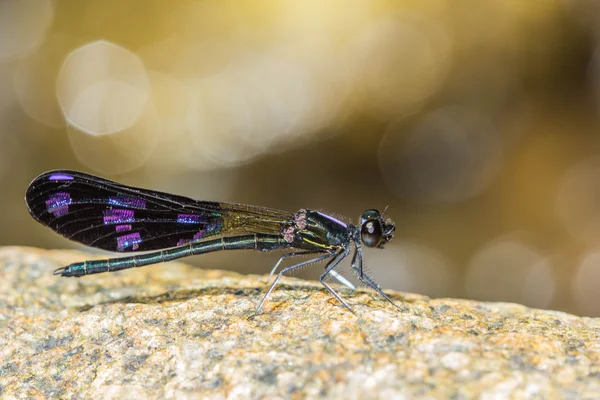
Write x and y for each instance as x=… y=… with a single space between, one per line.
x=477 y=123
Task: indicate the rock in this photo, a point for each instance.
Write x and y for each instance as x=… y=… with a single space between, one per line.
x=173 y=331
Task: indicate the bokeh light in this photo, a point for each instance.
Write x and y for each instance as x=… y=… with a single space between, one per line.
x=506 y=269
x=415 y=68
x=102 y=88
x=32 y=75
x=577 y=200
x=585 y=284
x=417 y=269
x=240 y=114
x=23 y=25
x=451 y=154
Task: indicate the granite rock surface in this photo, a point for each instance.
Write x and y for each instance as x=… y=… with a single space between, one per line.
x=173 y=331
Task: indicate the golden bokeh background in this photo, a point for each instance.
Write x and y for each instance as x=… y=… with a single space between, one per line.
x=477 y=123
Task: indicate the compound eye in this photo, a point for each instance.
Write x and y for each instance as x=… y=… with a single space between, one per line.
x=371 y=233
x=369 y=214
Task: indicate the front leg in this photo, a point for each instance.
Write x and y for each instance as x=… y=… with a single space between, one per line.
x=366 y=279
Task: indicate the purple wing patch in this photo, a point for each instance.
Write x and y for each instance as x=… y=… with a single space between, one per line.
x=197 y=236
x=117 y=216
x=58 y=204
x=189 y=219
x=60 y=177
x=127 y=202
x=123 y=228
x=132 y=240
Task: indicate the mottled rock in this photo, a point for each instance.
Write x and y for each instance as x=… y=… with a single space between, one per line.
x=173 y=331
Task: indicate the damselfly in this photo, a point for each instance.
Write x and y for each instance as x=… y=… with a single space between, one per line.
x=110 y=216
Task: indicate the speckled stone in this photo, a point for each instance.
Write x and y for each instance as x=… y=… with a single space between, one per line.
x=173 y=331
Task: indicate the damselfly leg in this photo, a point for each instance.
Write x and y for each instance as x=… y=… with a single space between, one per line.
x=290 y=255
x=288 y=269
x=366 y=279
x=332 y=264
x=340 y=278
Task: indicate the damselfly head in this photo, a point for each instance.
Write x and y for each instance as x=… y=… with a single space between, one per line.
x=374 y=230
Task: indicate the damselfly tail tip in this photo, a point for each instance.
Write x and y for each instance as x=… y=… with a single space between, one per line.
x=59 y=271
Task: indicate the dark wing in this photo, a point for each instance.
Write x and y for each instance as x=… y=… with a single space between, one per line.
x=110 y=216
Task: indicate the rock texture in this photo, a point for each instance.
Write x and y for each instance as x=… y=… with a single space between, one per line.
x=173 y=331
